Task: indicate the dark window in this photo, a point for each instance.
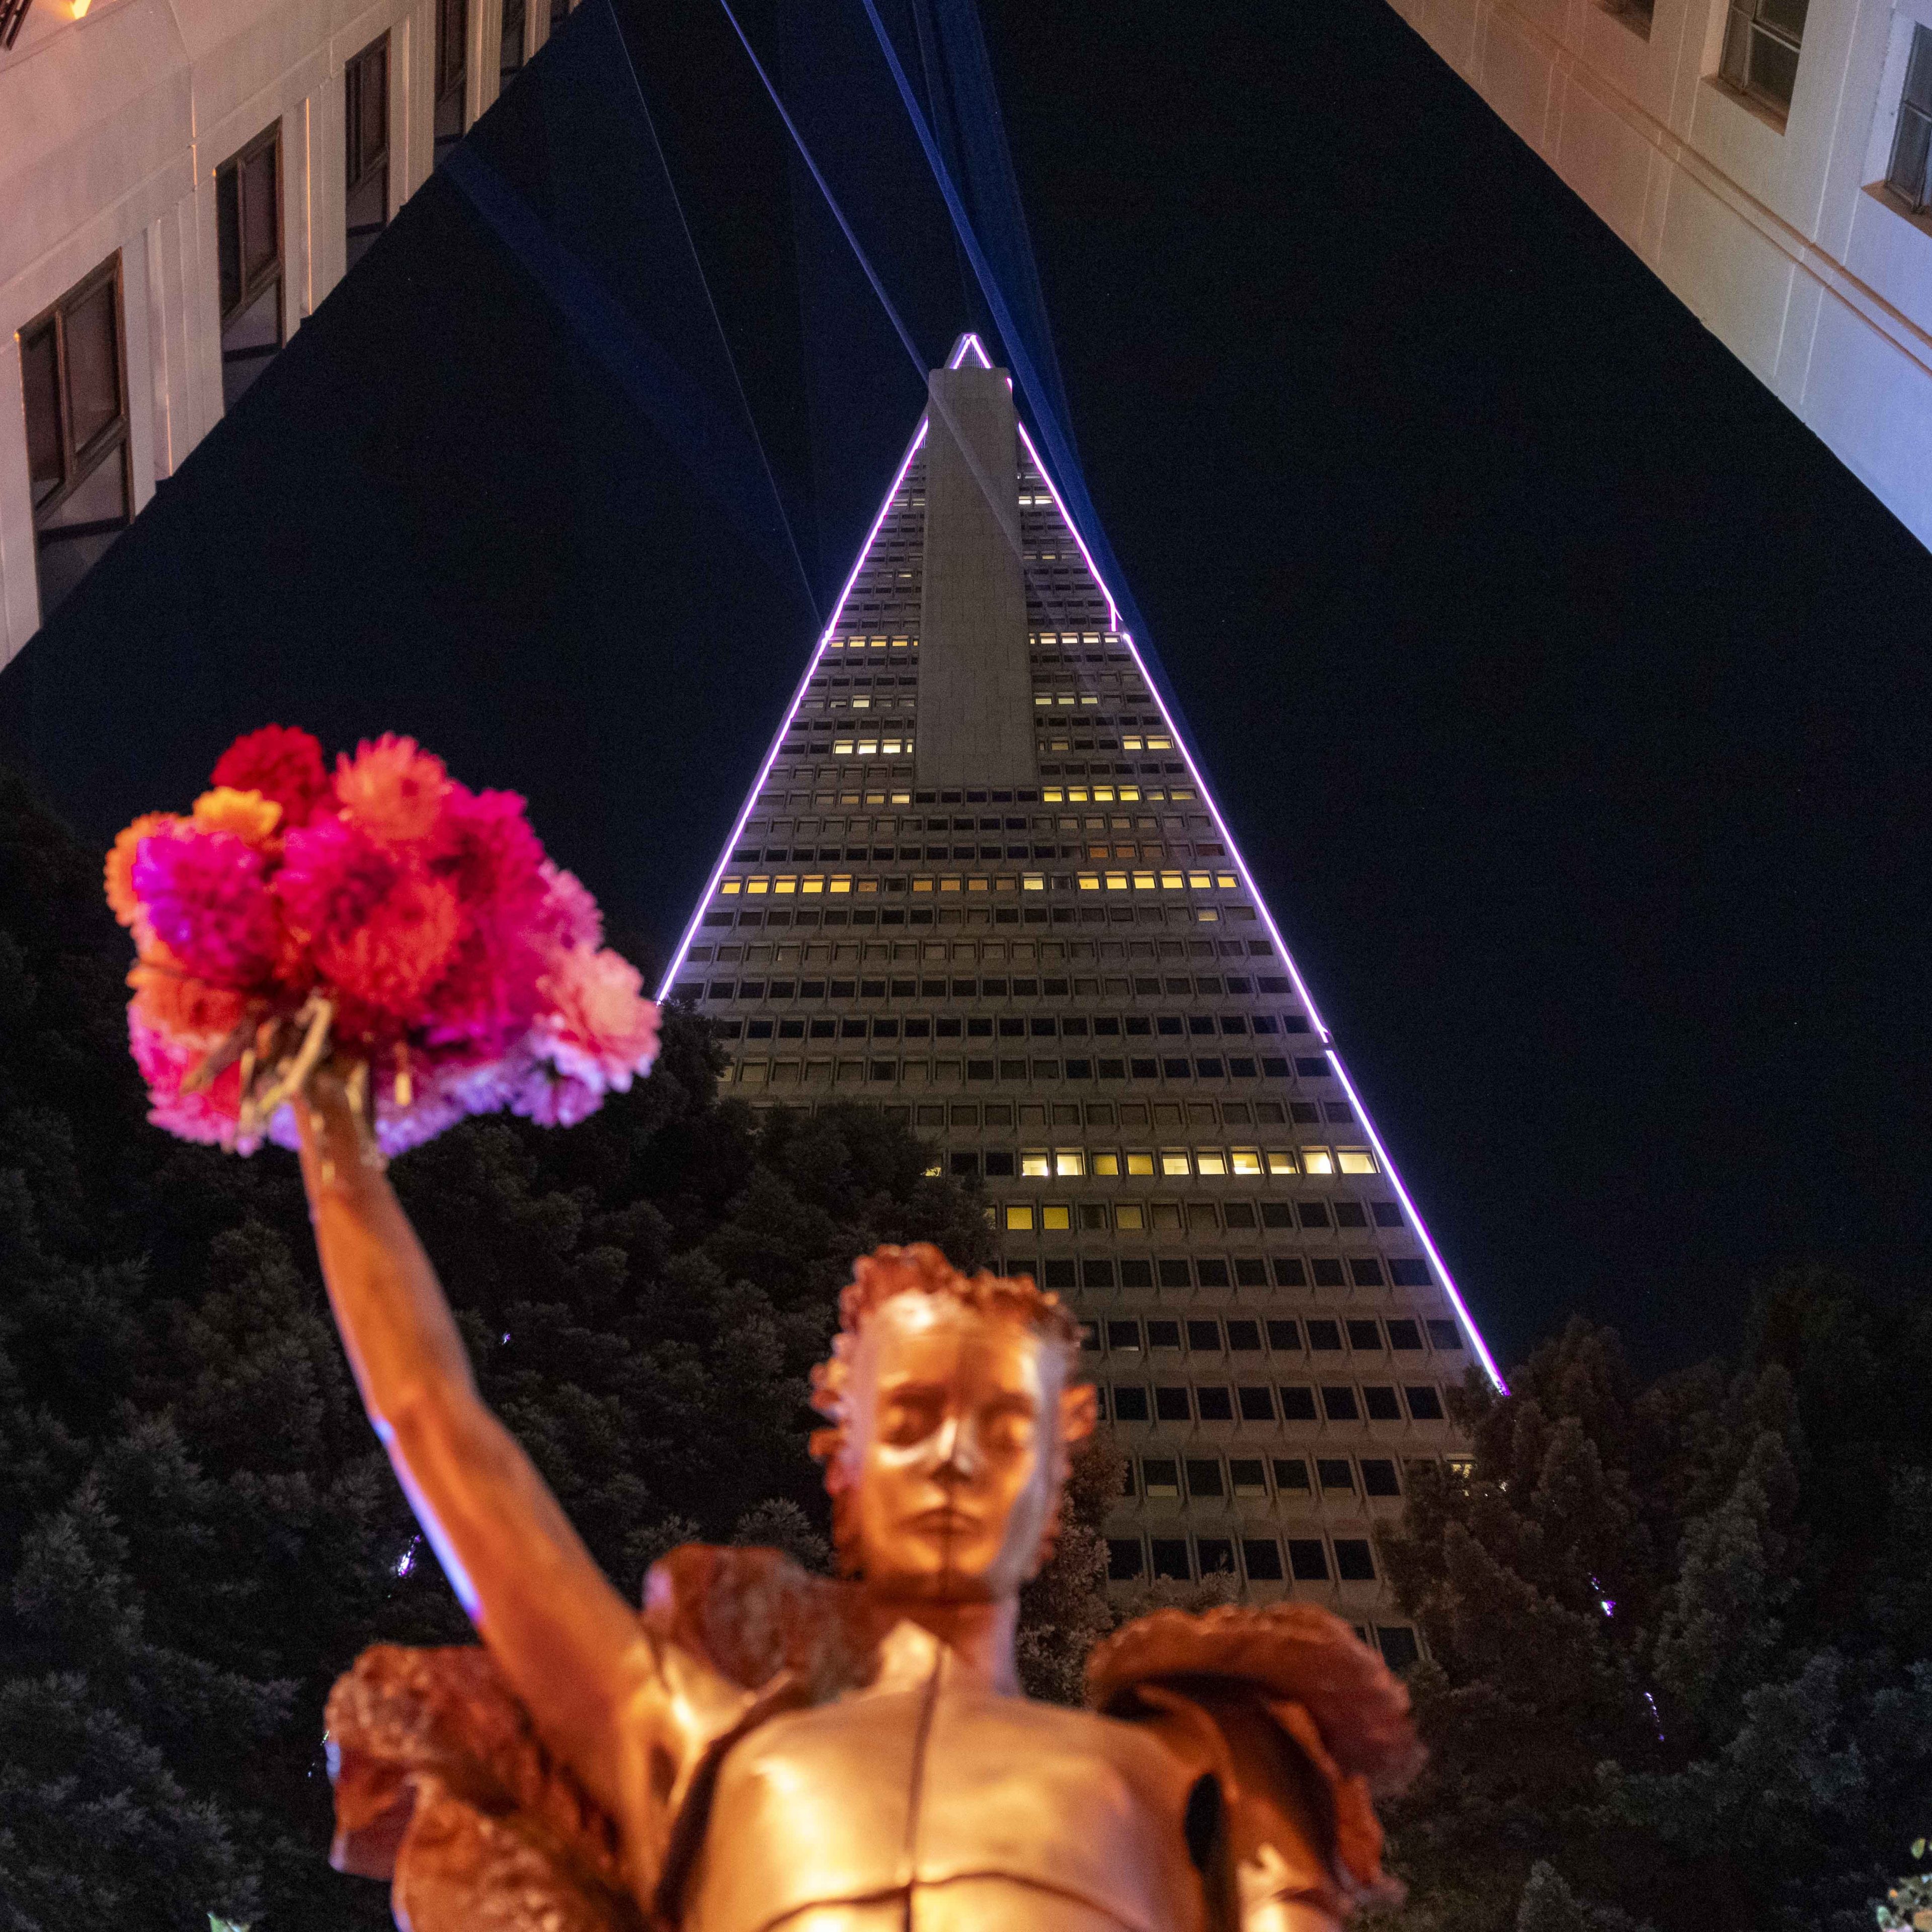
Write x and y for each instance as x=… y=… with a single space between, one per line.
x=1170 y=1403
x=248 y=260
x=1291 y=1472
x=452 y=74
x=1762 y=38
x=1338 y=1400
x=1387 y=1214
x=1403 y=1334
x=1160 y=1478
x=1057 y=1273
x=1210 y=1273
x=1325 y=1335
x=1163 y=1333
x=1203 y=1476
x=1216 y=1554
x=1125 y=1558
x=1334 y=1472
x=1216 y=1404
x=1257 y=1403
x=1312 y=1066
x=1353 y=1562
x=1366 y=1271
x=1314 y=1214
x=1170 y=1559
x=1123 y=1334
x=1095 y=1274
x=1380 y=1403
x=964 y=1162
x=1130 y=1404
x=1262 y=1556
x=1410 y=1273
x=1206 y=1335
x=1284 y=1335
x=1173 y=1273
x=1136 y=1274
x=1244 y=1337
x=559 y=12
x=999 y=1163
x=1912 y=144
x=1328 y=1269
x=1379 y=1477
x=1298 y=1402
x=1365 y=1334
x=1289 y=1273
x=1398 y=1646
x=1250 y=1270
x=76 y=410
x=1307 y=1560
x=1424 y=1404
x=1445 y=1335
x=511 y=57
x=365 y=90
x=1349 y=1214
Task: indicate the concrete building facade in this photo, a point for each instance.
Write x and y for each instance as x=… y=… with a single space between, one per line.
x=1767 y=159
x=1006 y=908
x=183 y=181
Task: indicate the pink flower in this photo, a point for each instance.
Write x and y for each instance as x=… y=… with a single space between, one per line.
x=488 y=853
x=391 y=789
x=206 y=896
x=596 y=1025
x=569 y=914
x=208 y=1116
x=554 y=1099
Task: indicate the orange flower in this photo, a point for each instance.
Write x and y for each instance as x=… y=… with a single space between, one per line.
x=186 y=1010
x=247 y=814
x=127 y=907
x=392 y=789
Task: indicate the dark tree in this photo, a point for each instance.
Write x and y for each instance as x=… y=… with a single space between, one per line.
x=1681 y=1634
x=197 y=1530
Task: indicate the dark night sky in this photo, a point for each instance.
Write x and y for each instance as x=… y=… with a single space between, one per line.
x=1566 y=693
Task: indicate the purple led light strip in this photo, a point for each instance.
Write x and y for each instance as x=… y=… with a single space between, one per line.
x=1294 y=972
x=791 y=711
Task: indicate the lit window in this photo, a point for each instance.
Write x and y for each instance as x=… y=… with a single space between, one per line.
x=1200 y=881
x=1116 y=882
x=1129 y=1217
x=1107 y=1166
x=1245 y=1160
x=1316 y=1160
x=1033 y=1163
x=1139 y=1161
x=1019 y=1217
x=1056 y=1220
x=1069 y=1161
x=1355 y=1160
x=1211 y=1160
x=1280 y=1161
x=1090 y=882
x=1174 y=1160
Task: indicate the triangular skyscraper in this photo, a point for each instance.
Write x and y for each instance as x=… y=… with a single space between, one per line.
x=980 y=882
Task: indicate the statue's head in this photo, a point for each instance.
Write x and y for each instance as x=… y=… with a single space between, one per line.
x=953 y=1418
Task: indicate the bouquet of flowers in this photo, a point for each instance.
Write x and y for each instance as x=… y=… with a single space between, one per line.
x=388 y=915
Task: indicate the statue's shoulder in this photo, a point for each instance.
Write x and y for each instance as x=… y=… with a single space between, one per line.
x=752 y=1613
x=1279 y=1701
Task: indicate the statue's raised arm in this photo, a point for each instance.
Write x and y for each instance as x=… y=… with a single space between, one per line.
x=606 y=1697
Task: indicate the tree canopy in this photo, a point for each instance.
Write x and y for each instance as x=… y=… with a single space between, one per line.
x=197 y=1529
x=1680 y=1635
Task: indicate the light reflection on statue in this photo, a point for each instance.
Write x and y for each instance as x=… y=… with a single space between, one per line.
x=761 y=1749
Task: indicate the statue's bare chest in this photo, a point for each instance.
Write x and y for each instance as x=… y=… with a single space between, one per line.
x=940 y=1809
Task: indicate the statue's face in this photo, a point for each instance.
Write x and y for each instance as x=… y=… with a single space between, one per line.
x=955 y=1427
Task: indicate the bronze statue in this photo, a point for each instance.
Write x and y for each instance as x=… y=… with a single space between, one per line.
x=762 y=1748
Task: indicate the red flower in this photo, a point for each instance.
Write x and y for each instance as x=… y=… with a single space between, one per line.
x=279 y=764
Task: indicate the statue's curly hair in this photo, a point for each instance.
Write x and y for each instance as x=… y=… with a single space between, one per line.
x=921 y=1269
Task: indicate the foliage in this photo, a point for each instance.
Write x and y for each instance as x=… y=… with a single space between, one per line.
x=1907 y=1906
x=197 y=1531
x=1681 y=1643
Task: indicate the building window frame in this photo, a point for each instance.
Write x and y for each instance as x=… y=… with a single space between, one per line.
x=450 y=107
x=231 y=183
x=1910 y=162
x=365 y=172
x=514 y=45
x=1763 y=41
x=108 y=441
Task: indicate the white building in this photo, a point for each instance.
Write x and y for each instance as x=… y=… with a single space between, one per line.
x=181 y=182
x=1767 y=159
